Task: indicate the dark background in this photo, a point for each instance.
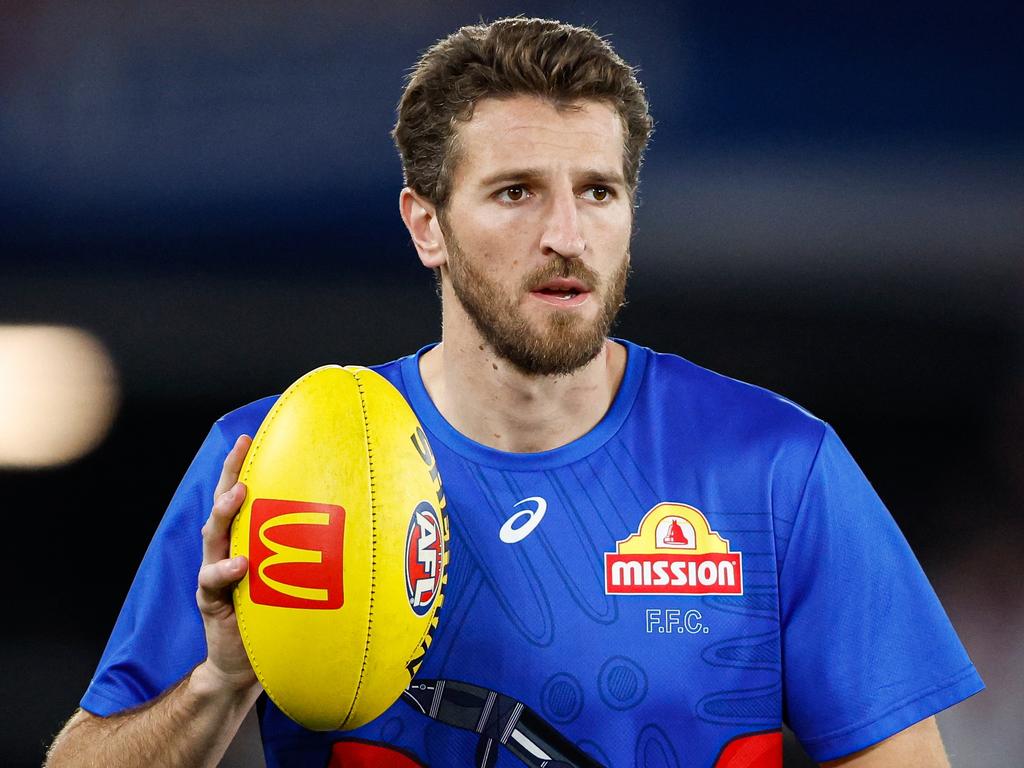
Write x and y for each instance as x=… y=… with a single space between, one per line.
x=832 y=207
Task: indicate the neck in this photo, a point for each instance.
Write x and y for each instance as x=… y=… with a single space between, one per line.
x=491 y=402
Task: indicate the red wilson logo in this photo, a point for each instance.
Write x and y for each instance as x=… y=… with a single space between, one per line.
x=674 y=552
x=295 y=554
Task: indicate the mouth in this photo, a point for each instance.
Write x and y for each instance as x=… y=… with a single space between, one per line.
x=562 y=291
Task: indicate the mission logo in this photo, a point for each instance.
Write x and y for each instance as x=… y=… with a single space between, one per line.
x=674 y=552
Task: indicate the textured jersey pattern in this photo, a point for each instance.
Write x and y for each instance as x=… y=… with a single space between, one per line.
x=536 y=660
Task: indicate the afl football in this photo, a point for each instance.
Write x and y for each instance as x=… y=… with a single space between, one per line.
x=345 y=529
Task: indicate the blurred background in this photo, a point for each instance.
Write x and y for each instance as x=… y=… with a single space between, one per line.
x=198 y=203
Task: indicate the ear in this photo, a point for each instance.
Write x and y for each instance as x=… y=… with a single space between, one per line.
x=420 y=217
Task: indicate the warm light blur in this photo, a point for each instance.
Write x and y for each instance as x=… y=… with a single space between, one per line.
x=58 y=394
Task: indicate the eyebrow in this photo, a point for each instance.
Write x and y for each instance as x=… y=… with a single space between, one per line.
x=593 y=175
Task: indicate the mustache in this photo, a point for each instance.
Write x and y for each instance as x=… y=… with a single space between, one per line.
x=568 y=269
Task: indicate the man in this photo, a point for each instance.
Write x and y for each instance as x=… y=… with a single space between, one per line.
x=651 y=564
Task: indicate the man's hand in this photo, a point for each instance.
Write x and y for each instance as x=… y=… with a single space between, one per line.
x=193 y=723
x=226 y=663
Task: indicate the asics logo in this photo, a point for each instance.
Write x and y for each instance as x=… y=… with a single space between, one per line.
x=522 y=523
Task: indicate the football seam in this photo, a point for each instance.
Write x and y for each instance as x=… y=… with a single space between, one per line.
x=240 y=614
x=373 y=545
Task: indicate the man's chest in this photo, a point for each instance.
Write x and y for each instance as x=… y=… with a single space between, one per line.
x=609 y=591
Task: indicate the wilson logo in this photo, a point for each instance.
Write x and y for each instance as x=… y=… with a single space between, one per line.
x=424 y=558
x=295 y=554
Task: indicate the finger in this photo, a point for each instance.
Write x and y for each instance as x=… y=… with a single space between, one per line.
x=232 y=465
x=218 y=525
x=215 y=581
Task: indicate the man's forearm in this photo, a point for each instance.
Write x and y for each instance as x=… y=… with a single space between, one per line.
x=919 y=746
x=190 y=725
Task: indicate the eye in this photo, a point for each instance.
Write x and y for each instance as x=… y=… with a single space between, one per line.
x=598 y=194
x=512 y=194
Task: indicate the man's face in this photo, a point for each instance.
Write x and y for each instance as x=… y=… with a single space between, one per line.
x=537 y=230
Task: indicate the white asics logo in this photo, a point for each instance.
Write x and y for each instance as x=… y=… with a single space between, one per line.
x=510 y=534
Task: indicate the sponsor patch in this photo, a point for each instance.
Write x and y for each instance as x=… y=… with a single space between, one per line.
x=295 y=551
x=673 y=552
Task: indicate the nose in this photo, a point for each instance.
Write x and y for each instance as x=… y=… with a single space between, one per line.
x=562 y=235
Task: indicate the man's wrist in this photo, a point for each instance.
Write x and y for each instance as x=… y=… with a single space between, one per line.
x=208 y=683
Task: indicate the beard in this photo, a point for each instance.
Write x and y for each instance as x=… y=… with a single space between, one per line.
x=564 y=342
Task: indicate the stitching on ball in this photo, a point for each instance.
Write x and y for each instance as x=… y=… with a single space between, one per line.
x=373 y=543
x=243 y=476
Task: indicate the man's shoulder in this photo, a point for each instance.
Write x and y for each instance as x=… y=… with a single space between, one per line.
x=725 y=403
x=246 y=419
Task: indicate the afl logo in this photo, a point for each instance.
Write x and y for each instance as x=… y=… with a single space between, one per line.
x=424 y=558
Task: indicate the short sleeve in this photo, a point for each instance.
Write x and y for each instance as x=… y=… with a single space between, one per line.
x=158 y=637
x=867 y=648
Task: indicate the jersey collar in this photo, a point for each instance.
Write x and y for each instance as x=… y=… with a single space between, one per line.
x=439 y=429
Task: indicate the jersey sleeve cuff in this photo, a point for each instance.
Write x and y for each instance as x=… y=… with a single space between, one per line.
x=904 y=714
x=102 y=704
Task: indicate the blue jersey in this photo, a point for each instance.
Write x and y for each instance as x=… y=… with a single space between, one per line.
x=706 y=563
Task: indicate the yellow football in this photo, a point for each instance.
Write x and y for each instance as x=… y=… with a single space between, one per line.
x=345 y=529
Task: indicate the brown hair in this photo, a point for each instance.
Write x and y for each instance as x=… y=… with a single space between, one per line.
x=505 y=58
